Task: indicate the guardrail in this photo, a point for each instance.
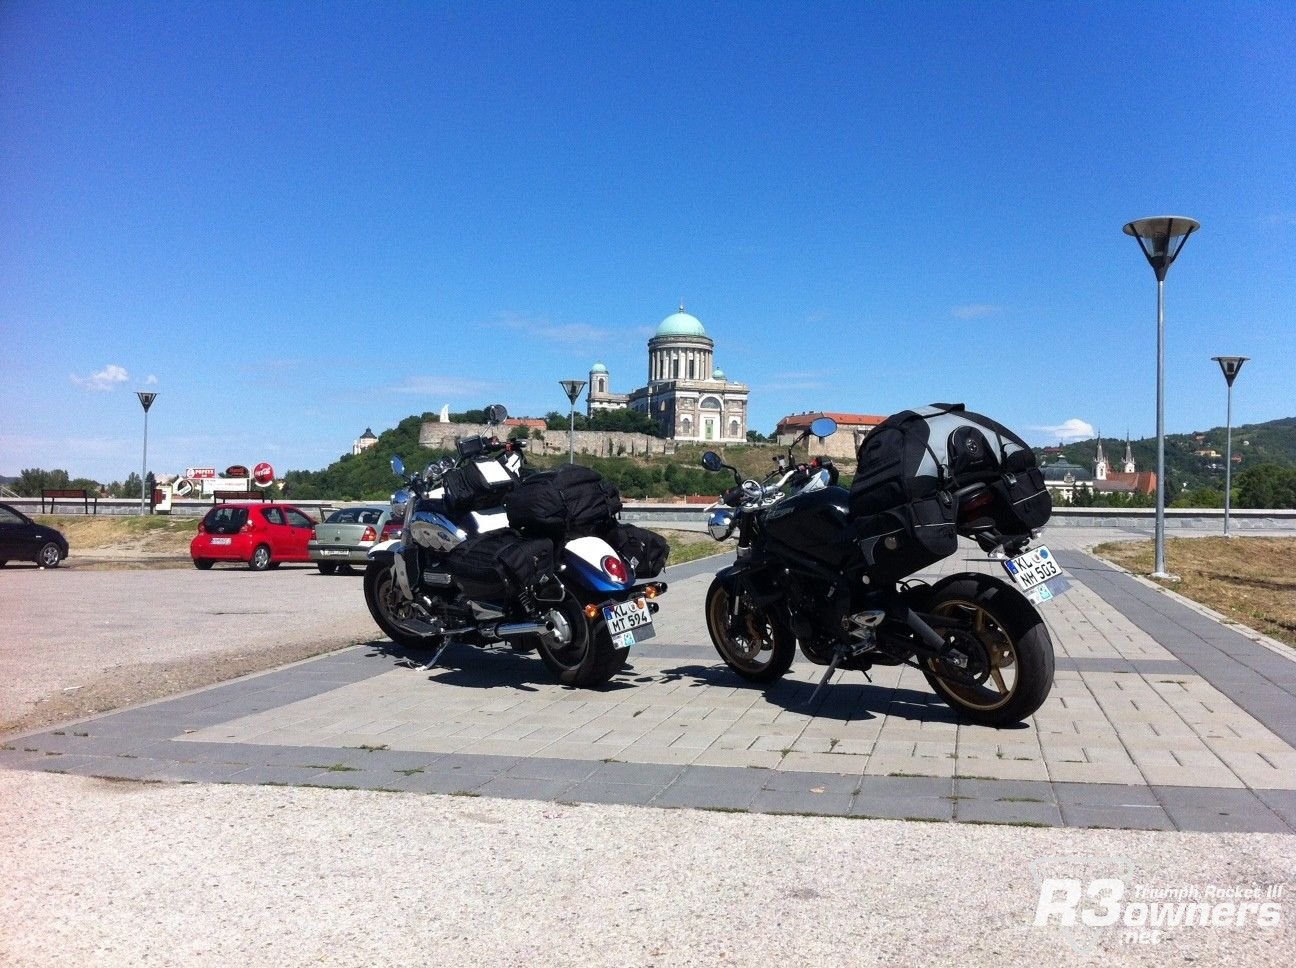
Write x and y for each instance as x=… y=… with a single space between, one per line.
x=692 y=517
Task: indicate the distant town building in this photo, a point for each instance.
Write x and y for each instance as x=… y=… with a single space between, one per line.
x=364 y=442
x=851 y=430
x=687 y=396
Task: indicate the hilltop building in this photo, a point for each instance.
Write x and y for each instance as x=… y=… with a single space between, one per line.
x=687 y=395
x=364 y=441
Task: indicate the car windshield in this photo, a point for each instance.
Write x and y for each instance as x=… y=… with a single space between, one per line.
x=225 y=520
x=354 y=516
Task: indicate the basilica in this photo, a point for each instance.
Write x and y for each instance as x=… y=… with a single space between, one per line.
x=687 y=395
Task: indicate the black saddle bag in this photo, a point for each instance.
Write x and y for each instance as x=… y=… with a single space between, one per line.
x=645 y=551
x=499 y=564
x=569 y=501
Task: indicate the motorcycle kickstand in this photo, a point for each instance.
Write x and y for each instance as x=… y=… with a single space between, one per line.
x=449 y=640
x=839 y=653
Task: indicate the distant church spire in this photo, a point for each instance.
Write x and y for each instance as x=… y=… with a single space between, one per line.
x=1100 y=462
x=1129 y=457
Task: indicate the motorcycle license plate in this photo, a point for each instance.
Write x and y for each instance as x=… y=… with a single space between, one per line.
x=629 y=622
x=1037 y=574
x=220 y=541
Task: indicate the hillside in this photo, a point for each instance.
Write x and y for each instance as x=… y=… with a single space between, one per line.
x=1188 y=456
x=368 y=476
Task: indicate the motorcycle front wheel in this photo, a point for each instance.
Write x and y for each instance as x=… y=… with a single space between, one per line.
x=579 y=650
x=752 y=642
x=383 y=598
x=1010 y=669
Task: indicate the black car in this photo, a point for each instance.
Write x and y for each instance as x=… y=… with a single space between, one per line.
x=22 y=539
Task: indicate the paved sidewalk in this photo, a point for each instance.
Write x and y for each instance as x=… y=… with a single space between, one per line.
x=1161 y=717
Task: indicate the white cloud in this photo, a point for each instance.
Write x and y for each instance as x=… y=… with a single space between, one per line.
x=975 y=311
x=569 y=334
x=1073 y=429
x=105 y=379
x=151 y=381
x=444 y=387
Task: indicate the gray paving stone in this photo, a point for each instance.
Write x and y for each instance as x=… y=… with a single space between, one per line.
x=1259 y=819
x=525 y=788
x=906 y=787
x=173 y=772
x=793 y=781
x=1104 y=795
x=902 y=808
x=656 y=775
x=594 y=790
x=540 y=768
x=1281 y=802
x=286 y=775
x=828 y=803
x=1037 y=790
x=1116 y=817
x=985 y=810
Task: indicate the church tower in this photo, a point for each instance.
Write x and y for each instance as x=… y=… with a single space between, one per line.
x=1100 y=463
x=1129 y=457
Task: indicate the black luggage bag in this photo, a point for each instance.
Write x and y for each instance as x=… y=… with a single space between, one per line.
x=569 y=501
x=915 y=454
x=499 y=564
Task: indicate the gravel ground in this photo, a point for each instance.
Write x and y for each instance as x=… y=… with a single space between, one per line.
x=110 y=873
x=76 y=642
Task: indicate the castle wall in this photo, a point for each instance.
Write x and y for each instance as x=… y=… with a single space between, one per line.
x=598 y=443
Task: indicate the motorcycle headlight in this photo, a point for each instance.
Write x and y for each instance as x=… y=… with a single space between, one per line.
x=400 y=502
x=721 y=523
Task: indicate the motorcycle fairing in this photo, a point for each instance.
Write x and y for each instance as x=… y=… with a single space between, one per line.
x=585 y=557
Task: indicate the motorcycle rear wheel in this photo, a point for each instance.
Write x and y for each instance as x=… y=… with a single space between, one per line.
x=579 y=652
x=756 y=645
x=1012 y=651
x=381 y=594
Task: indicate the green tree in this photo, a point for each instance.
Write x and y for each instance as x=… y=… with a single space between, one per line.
x=32 y=480
x=1266 y=486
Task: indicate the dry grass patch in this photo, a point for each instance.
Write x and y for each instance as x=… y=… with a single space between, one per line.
x=103 y=532
x=691 y=545
x=1248 y=579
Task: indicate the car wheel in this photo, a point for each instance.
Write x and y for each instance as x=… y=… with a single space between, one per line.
x=326 y=569
x=260 y=559
x=49 y=556
x=203 y=564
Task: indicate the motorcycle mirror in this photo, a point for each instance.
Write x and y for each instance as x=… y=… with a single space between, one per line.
x=496 y=414
x=823 y=427
x=712 y=461
x=398 y=466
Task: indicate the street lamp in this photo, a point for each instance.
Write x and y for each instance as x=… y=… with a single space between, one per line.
x=1231 y=365
x=1161 y=238
x=146 y=401
x=572 y=388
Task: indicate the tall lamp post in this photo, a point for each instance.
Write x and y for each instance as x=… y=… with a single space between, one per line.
x=1231 y=365
x=146 y=401
x=572 y=388
x=1161 y=238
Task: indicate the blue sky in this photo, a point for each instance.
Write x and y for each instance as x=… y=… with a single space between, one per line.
x=294 y=221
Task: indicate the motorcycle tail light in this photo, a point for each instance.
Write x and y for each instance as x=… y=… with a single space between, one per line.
x=974 y=504
x=369 y=534
x=615 y=569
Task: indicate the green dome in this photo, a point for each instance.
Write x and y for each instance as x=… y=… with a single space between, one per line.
x=680 y=324
x=717 y=374
x=598 y=368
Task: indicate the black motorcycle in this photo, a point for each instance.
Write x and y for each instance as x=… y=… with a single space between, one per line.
x=830 y=568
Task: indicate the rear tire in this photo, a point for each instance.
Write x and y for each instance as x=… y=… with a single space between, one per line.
x=203 y=564
x=260 y=559
x=326 y=569
x=1013 y=654
x=579 y=652
x=49 y=556
x=756 y=645
x=380 y=595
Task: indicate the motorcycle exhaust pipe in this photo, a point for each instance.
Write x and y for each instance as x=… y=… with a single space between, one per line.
x=511 y=629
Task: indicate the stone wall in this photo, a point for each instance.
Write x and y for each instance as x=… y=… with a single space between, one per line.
x=599 y=443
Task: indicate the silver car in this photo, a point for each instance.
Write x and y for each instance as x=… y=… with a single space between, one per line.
x=345 y=537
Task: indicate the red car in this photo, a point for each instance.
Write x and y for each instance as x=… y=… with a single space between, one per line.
x=263 y=535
